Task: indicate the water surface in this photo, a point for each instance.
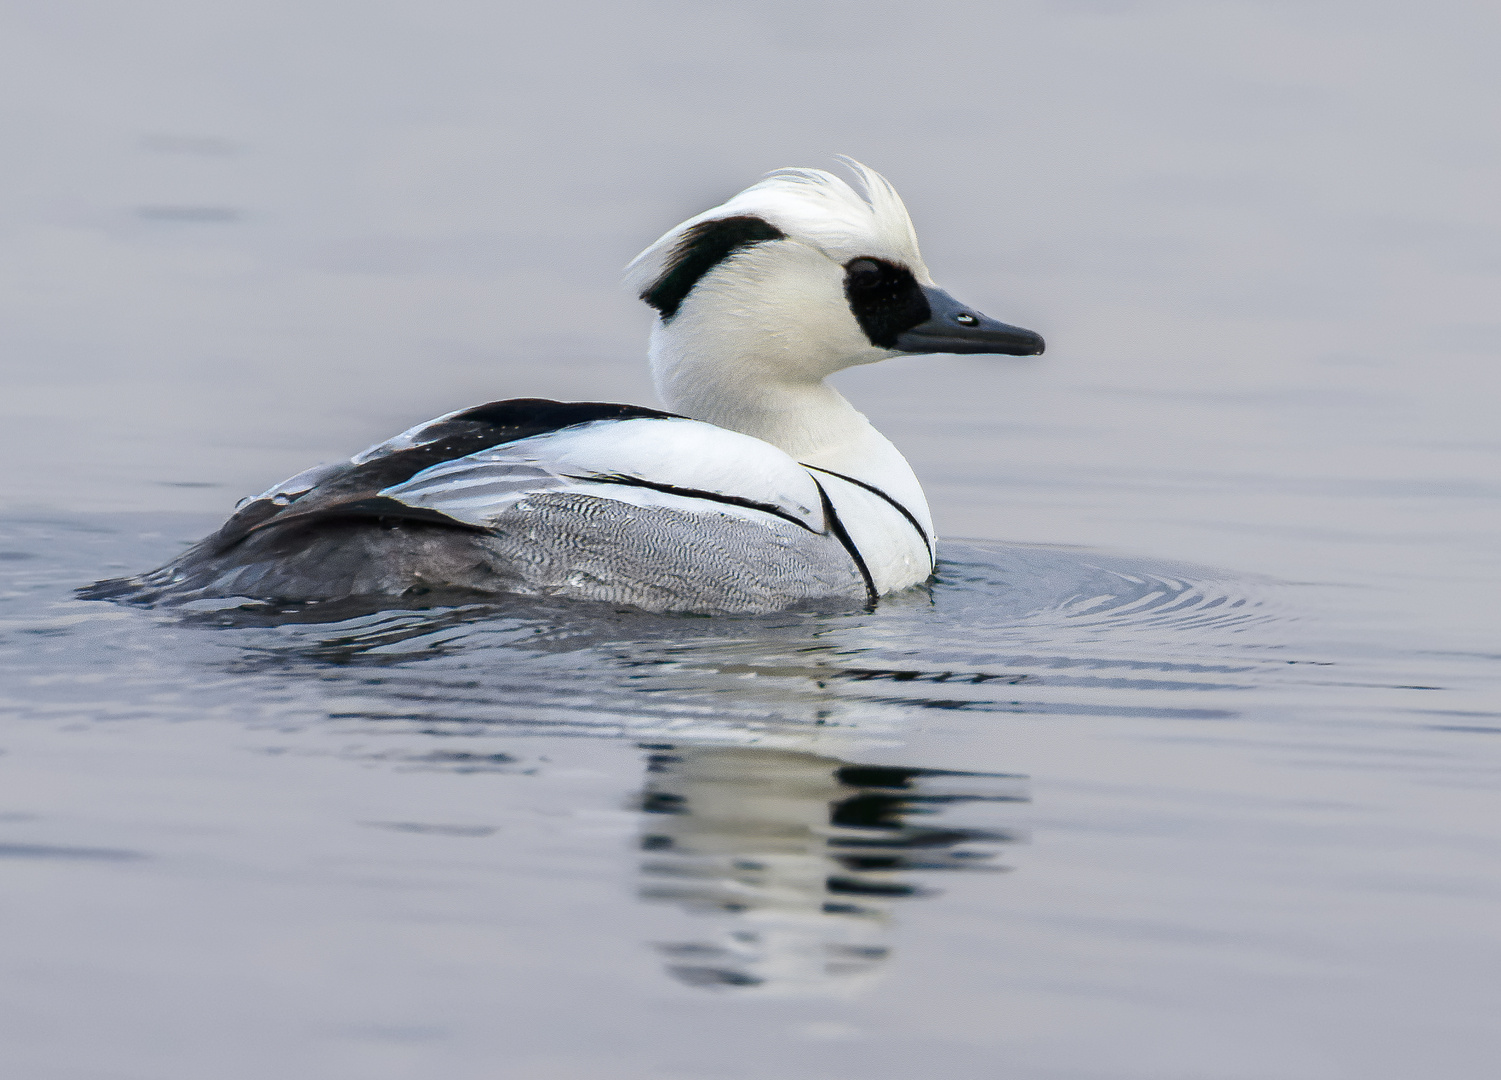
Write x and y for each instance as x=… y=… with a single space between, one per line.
x=1059 y=802
x=1185 y=766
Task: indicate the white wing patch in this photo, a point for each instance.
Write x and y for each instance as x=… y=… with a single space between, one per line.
x=642 y=461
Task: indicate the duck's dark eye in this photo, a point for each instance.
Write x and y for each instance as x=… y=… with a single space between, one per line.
x=964 y=318
x=885 y=299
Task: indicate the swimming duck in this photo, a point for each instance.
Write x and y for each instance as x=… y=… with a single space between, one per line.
x=759 y=489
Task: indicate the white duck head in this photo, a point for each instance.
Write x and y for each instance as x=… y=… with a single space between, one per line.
x=797 y=277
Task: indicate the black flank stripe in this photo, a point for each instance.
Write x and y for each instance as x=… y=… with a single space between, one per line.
x=694 y=493
x=927 y=542
x=842 y=535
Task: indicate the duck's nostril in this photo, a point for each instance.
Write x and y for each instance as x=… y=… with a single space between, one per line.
x=964 y=318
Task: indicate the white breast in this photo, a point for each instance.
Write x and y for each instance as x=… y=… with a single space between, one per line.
x=896 y=548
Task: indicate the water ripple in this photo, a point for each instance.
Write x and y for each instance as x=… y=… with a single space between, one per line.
x=1003 y=629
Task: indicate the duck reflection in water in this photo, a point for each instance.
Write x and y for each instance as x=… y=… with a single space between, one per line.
x=799 y=857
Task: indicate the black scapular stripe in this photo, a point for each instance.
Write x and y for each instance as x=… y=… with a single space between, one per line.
x=701 y=249
x=480 y=428
x=926 y=540
x=537 y=416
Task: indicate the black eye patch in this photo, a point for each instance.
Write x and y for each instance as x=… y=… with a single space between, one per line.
x=885 y=299
x=701 y=249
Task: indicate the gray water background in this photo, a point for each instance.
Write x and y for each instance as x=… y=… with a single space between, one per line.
x=1248 y=813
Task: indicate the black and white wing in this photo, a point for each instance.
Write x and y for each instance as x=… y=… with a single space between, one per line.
x=469 y=469
x=583 y=499
x=354 y=488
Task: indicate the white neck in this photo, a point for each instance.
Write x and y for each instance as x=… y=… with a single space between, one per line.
x=752 y=393
x=749 y=349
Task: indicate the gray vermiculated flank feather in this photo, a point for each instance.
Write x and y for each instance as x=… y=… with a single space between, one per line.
x=554 y=544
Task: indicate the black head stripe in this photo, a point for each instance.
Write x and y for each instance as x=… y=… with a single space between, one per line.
x=701 y=249
x=885 y=298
